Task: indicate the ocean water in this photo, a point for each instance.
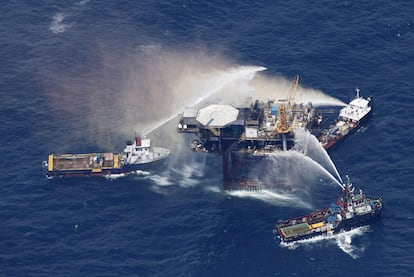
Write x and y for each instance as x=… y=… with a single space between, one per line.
x=80 y=76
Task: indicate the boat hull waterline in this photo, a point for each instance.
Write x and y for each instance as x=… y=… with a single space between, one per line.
x=139 y=155
x=348 y=212
x=349 y=120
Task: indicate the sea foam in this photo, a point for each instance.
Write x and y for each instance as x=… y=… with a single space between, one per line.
x=57 y=26
x=343 y=240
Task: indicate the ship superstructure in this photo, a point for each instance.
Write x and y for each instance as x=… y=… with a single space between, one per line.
x=351 y=210
x=349 y=120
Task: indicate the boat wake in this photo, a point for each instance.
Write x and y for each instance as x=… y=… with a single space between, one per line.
x=117 y=176
x=343 y=240
x=161 y=180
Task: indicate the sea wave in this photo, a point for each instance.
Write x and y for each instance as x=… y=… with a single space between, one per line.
x=343 y=240
x=59 y=22
x=57 y=25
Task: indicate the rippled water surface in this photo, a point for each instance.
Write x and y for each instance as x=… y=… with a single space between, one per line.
x=81 y=76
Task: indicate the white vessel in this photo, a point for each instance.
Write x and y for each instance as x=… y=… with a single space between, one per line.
x=349 y=120
x=137 y=155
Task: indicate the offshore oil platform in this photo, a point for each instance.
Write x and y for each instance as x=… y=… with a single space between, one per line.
x=248 y=132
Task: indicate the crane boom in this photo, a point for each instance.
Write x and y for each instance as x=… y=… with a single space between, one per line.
x=282 y=125
x=292 y=93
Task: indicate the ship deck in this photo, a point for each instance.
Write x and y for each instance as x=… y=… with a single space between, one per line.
x=73 y=162
x=81 y=161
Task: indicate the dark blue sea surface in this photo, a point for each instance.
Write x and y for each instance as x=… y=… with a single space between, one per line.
x=81 y=76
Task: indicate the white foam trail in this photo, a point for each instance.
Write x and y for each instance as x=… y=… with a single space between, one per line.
x=115 y=176
x=160 y=180
x=343 y=241
x=83 y=2
x=137 y=172
x=219 y=81
x=193 y=169
x=189 y=175
x=142 y=173
x=215 y=189
x=166 y=180
x=57 y=26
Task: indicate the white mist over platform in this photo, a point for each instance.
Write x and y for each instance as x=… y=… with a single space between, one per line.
x=275 y=87
x=209 y=85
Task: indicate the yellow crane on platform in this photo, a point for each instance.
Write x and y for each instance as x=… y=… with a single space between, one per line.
x=285 y=107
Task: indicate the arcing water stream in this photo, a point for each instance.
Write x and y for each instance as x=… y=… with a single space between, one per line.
x=218 y=81
x=294 y=175
x=289 y=168
x=307 y=163
x=309 y=145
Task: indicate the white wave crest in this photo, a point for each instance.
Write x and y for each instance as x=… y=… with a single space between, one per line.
x=83 y=2
x=137 y=172
x=215 y=189
x=57 y=26
x=114 y=176
x=343 y=240
x=160 y=180
x=141 y=173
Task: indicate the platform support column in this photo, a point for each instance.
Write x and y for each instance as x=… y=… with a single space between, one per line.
x=226 y=175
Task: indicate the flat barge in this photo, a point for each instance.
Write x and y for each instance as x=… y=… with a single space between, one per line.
x=137 y=155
